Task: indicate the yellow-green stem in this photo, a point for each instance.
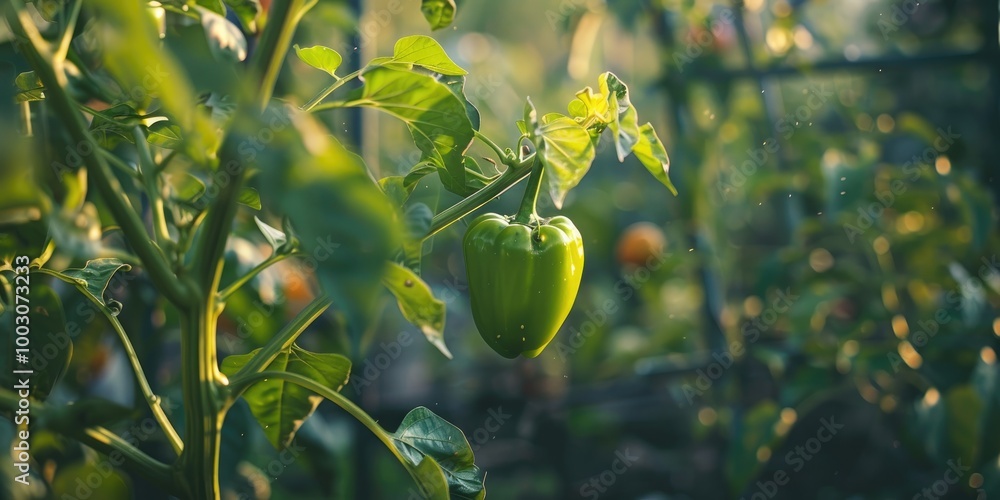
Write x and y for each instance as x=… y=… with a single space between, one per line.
x=527 y=210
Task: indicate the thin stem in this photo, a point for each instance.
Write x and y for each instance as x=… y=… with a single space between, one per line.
x=117 y=162
x=109 y=188
x=527 y=209
x=284 y=338
x=98 y=438
x=329 y=90
x=242 y=280
x=151 y=399
x=147 y=170
x=67 y=35
x=505 y=181
x=283 y=17
x=504 y=156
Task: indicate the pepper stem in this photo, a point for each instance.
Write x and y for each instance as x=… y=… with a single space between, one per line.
x=527 y=209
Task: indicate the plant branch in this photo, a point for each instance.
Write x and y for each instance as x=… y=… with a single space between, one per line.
x=100 y=439
x=516 y=171
x=242 y=280
x=505 y=157
x=527 y=209
x=117 y=162
x=67 y=36
x=329 y=90
x=151 y=399
x=150 y=179
x=283 y=18
x=109 y=188
x=283 y=339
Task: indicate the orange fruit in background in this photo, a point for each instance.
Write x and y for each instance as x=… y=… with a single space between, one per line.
x=639 y=243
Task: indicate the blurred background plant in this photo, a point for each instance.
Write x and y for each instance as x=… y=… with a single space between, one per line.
x=816 y=316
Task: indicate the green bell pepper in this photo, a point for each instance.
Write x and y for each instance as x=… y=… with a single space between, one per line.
x=523 y=280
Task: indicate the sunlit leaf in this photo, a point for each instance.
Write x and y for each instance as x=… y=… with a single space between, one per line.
x=650 y=151
x=566 y=151
x=249 y=197
x=320 y=57
x=624 y=122
x=418 y=304
x=436 y=118
x=422 y=51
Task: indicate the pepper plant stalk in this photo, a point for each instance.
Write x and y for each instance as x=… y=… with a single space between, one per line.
x=527 y=209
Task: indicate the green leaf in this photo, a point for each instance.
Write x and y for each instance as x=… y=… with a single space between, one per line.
x=27 y=81
x=456 y=84
x=624 y=123
x=320 y=57
x=650 y=151
x=249 y=197
x=341 y=217
x=114 y=125
x=418 y=304
x=566 y=151
x=30 y=87
x=185 y=187
x=93 y=279
x=438 y=13
x=50 y=349
x=215 y=6
x=436 y=118
x=133 y=53
x=425 y=52
x=431 y=479
x=225 y=39
x=165 y=134
x=423 y=434
x=281 y=407
x=274 y=237
x=247 y=11
x=588 y=104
